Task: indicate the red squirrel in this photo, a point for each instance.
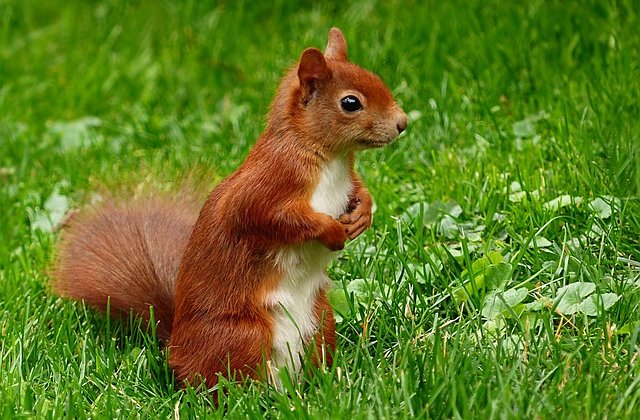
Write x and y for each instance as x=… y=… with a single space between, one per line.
x=244 y=282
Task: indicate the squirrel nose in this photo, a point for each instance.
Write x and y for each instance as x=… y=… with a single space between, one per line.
x=401 y=125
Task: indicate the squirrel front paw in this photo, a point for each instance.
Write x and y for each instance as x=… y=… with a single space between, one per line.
x=334 y=235
x=358 y=217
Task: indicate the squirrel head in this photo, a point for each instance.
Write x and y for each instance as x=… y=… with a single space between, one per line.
x=336 y=105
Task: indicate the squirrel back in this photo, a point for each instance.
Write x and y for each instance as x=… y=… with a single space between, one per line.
x=126 y=255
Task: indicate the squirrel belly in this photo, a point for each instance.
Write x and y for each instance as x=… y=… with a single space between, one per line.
x=258 y=291
x=303 y=269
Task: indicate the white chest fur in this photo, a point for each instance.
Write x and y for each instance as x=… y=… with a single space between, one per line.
x=304 y=272
x=334 y=187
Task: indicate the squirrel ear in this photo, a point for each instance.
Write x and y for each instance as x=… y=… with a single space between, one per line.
x=312 y=70
x=336 y=46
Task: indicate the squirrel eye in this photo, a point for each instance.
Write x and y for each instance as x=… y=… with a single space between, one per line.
x=350 y=103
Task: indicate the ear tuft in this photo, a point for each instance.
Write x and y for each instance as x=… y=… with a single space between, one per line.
x=312 y=71
x=336 y=46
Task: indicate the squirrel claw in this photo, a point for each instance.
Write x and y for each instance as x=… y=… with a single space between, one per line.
x=357 y=219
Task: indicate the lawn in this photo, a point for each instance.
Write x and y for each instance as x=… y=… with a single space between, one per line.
x=500 y=278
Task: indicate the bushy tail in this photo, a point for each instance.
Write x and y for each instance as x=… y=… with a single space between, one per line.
x=127 y=254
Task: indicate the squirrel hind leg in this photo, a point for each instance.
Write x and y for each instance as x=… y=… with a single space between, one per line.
x=126 y=256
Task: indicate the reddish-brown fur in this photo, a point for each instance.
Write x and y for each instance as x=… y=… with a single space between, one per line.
x=127 y=255
x=221 y=321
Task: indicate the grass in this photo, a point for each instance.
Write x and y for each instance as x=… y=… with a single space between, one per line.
x=501 y=276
